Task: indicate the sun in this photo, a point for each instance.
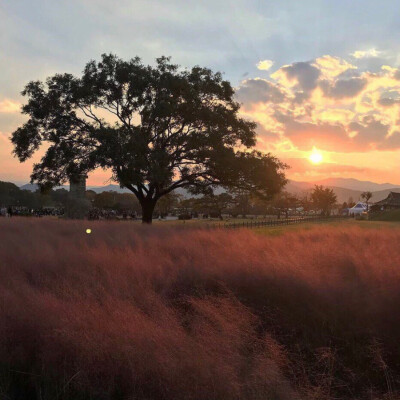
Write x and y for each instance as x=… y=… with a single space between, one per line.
x=316 y=156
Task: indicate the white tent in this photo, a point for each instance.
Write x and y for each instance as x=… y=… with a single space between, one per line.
x=358 y=209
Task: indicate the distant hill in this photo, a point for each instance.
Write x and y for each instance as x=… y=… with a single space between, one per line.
x=343 y=193
x=108 y=188
x=29 y=186
x=382 y=194
x=33 y=187
x=355 y=184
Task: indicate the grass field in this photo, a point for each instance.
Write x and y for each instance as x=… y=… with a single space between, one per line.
x=307 y=311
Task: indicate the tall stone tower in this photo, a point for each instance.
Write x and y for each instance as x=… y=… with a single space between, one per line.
x=77 y=186
x=78 y=206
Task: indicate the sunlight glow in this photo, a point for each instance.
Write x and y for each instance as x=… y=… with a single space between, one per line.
x=316 y=156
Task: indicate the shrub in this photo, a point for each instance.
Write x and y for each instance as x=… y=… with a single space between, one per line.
x=389 y=215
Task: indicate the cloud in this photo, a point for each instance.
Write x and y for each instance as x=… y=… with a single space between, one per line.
x=388 y=102
x=259 y=91
x=391 y=142
x=366 y=53
x=343 y=88
x=323 y=135
x=389 y=99
x=370 y=131
x=331 y=67
x=328 y=103
x=303 y=74
x=9 y=106
x=265 y=65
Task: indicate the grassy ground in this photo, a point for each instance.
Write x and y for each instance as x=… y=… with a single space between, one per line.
x=345 y=224
x=307 y=311
x=209 y=221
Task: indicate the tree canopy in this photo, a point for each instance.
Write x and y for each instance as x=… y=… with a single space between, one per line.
x=367 y=197
x=156 y=128
x=324 y=198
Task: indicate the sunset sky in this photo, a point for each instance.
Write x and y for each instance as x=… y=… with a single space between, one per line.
x=321 y=78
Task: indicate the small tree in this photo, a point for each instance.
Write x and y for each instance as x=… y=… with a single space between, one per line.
x=155 y=128
x=283 y=202
x=215 y=204
x=324 y=199
x=367 y=197
x=167 y=203
x=305 y=201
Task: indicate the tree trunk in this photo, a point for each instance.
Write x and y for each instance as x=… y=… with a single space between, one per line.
x=147 y=210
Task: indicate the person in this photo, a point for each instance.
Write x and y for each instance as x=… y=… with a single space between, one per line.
x=10 y=212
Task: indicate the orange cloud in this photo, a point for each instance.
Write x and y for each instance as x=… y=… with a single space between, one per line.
x=9 y=106
x=328 y=103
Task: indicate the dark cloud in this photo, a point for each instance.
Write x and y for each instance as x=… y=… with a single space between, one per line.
x=343 y=88
x=300 y=97
x=389 y=99
x=370 y=131
x=390 y=143
x=349 y=73
x=306 y=75
x=259 y=91
x=388 y=102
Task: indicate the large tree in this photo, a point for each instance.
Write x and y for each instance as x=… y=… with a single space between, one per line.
x=323 y=198
x=156 y=128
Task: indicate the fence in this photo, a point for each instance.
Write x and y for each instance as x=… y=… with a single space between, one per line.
x=277 y=222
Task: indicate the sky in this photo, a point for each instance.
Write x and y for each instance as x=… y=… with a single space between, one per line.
x=320 y=78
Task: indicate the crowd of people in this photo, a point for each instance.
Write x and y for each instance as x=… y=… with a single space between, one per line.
x=94 y=213
x=31 y=212
x=101 y=213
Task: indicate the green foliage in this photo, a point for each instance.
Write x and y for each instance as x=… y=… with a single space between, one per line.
x=8 y=193
x=389 y=215
x=167 y=203
x=214 y=204
x=116 y=201
x=366 y=196
x=156 y=128
x=323 y=198
x=284 y=201
x=12 y=195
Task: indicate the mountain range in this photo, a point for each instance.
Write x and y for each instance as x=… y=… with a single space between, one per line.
x=344 y=188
